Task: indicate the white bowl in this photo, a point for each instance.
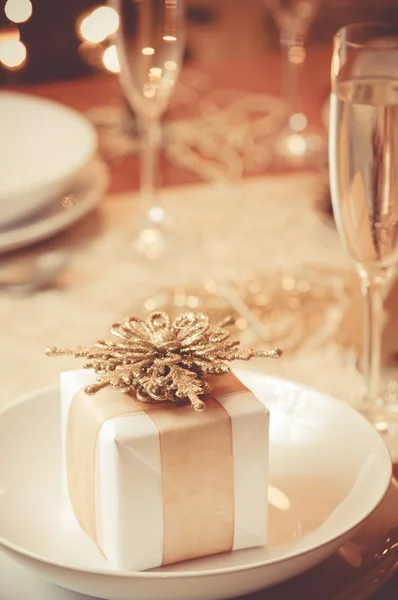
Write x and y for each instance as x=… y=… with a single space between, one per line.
x=329 y=469
x=42 y=145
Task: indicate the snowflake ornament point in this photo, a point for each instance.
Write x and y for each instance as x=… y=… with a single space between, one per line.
x=163 y=360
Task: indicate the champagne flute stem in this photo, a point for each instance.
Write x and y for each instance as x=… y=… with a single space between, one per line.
x=152 y=135
x=373 y=294
x=292 y=45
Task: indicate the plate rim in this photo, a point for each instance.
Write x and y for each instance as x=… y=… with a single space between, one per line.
x=223 y=570
x=71 y=112
x=61 y=220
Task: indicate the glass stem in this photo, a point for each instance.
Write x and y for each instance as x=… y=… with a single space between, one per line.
x=292 y=45
x=373 y=294
x=152 y=139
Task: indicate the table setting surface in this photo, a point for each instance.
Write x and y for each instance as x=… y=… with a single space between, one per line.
x=284 y=238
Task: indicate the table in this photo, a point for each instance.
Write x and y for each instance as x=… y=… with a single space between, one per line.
x=260 y=76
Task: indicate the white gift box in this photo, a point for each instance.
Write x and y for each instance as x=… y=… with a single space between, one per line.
x=140 y=514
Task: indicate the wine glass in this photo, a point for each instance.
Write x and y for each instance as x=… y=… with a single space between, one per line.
x=150 y=44
x=298 y=144
x=363 y=156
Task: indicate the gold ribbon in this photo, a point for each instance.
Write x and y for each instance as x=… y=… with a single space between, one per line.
x=196 y=461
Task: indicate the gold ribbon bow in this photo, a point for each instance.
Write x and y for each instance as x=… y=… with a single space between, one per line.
x=163 y=360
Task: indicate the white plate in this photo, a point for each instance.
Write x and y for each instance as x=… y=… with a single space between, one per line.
x=329 y=470
x=355 y=572
x=42 y=145
x=85 y=192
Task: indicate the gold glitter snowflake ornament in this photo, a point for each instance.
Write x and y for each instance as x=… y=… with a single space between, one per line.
x=162 y=360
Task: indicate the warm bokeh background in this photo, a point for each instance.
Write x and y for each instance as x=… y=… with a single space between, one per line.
x=55 y=50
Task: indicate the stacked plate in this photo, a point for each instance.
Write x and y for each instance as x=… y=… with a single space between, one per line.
x=48 y=165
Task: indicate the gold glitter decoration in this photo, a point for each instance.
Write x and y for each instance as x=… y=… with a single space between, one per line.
x=164 y=360
x=287 y=307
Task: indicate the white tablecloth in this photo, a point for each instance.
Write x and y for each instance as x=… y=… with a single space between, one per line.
x=264 y=224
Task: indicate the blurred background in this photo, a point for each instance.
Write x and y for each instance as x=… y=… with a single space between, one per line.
x=44 y=40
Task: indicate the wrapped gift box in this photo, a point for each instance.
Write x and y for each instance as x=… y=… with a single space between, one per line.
x=155 y=484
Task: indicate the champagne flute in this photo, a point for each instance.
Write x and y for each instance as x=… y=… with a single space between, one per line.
x=298 y=144
x=363 y=156
x=150 y=44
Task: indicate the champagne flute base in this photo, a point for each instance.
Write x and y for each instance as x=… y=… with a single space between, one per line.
x=153 y=243
x=155 y=235
x=150 y=243
x=301 y=148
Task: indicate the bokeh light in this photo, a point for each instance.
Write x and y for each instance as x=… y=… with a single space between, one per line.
x=110 y=59
x=170 y=65
x=297 y=144
x=18 y=11
x=98 y=25
x=298 y=122
x=13 y=54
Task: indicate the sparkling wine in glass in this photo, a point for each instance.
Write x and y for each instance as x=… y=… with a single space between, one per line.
x=299 y=143
x=363 y=156
x=150 y=45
